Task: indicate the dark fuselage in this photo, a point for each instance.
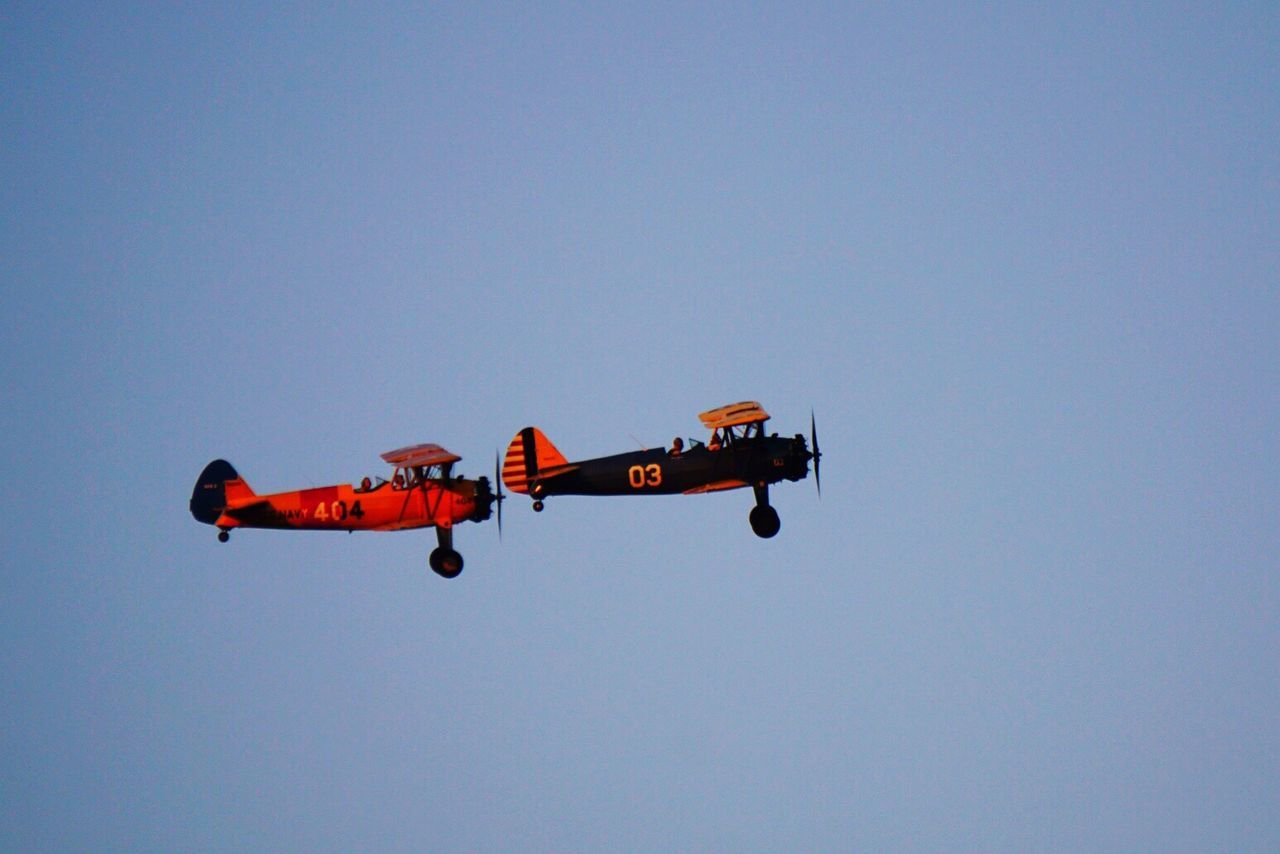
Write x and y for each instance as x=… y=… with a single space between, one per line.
x=747 y=462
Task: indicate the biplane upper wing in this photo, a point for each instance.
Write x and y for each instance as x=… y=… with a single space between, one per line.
x=420 y=455
x=746 y=412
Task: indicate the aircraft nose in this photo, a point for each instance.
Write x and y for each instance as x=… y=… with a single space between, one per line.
x=798 y=459
x=481 y=500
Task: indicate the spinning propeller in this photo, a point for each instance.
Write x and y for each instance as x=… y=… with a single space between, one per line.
x=817 y=454
x=497 y=481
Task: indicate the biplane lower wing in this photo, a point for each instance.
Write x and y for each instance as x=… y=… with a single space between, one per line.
x=718 y=486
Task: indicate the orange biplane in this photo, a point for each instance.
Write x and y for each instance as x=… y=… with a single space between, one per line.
x=421 y=493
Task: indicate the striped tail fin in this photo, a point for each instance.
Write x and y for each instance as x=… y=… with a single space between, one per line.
x=529 y=456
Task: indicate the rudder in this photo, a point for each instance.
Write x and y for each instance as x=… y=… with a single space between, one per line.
x=209 y=497
x=529 y=453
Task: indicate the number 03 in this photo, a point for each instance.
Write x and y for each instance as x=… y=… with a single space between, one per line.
x=642 y=476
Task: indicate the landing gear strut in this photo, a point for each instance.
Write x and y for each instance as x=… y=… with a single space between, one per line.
x=764 y=519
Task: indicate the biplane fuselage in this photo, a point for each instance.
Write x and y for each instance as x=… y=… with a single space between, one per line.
x=657 y=471
x=385 y=507
x=738 y=455
x=421 y=493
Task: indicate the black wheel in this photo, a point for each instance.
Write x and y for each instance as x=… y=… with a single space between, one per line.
x=223 y=536
x=446 y=563
x=764 y=521
x=537 y=507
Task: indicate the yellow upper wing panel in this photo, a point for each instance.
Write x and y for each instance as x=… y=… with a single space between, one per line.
x=747 y=412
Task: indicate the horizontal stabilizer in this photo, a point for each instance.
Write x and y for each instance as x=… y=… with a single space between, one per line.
x=552 y=473
x=248 y=512
x=237 y=491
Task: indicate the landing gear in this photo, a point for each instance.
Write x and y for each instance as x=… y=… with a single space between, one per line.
x=764 y=519
x=446 y=563
x=223 y=536
x=537 y=506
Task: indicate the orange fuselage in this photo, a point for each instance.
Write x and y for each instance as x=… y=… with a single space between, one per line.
x=344 y=508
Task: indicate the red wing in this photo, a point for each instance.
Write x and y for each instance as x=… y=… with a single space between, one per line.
x=420 y=455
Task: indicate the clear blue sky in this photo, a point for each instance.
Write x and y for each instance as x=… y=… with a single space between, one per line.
x=1022 y=262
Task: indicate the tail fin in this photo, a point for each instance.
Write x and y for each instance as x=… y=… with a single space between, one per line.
x=529 y=453
x=218 y=484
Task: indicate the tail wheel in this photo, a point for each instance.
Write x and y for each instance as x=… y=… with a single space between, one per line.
x=446 y=563
x=764 y=521
x=223 y=536
x=537 y=507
